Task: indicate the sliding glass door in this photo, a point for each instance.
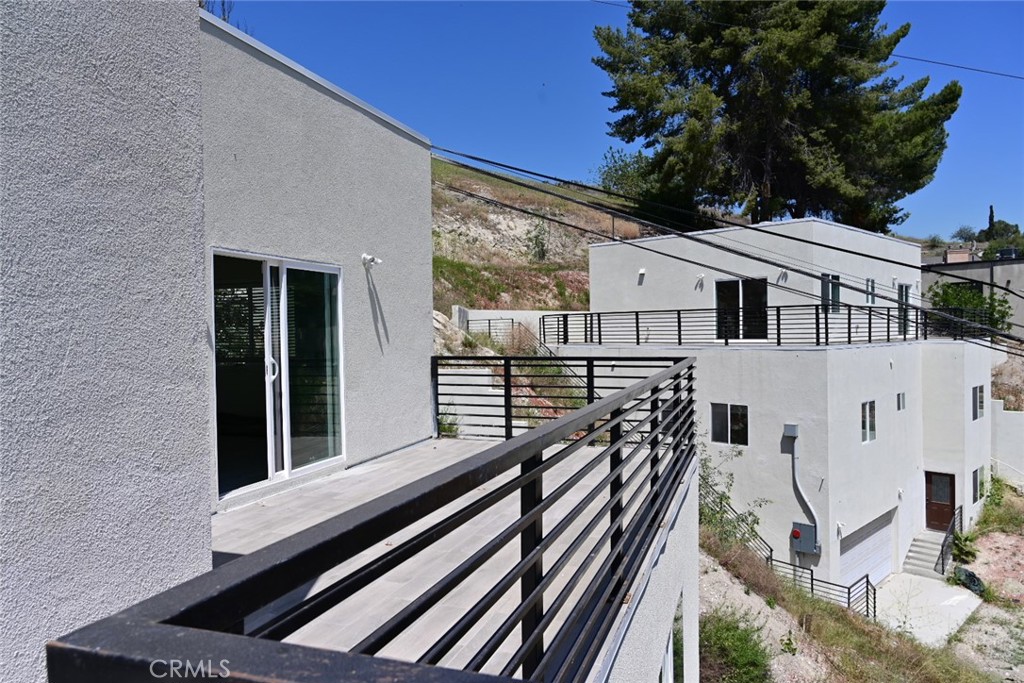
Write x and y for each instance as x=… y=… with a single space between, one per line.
x=278 y=366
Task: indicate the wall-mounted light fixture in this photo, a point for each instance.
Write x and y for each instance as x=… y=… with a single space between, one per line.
x=371 y=261
x=640 y=276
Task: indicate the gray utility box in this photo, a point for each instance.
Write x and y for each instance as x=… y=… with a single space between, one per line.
x=803 y=539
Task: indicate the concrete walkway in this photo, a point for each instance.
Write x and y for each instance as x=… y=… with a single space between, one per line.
x=927 y=608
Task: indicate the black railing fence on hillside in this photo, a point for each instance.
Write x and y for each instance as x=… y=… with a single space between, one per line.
x=818 y=325
x=532 y=547
x=955 y=526
x=858 y=597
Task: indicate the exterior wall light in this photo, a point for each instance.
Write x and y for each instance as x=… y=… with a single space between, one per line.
x=371 y=261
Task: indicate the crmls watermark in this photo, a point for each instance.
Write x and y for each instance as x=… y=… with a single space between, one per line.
x=184 y=668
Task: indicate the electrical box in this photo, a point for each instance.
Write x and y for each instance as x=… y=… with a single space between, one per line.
x=791 y=430
x=803 y=539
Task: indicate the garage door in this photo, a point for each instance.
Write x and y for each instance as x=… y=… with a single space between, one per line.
x=868 y=550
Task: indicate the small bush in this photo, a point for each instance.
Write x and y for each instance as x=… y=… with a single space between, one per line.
x=731 y=651
x=447 y=423
x=964 y=549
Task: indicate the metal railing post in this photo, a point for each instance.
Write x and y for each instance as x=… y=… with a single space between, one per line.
x=636 y=316
x=825 y=315
x=817 y=324
x=888 y=325
x=598 y=329
x=615 y=486
x=871 y=315
x=679 y=327
x=507 y=367
x=849 y=324
x=656 y=439
x=565 y=328
x=530 y=497
x=925 y=330
x=434 y=396
x=778 y=326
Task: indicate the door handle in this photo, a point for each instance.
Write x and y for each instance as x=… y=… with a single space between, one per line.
x=272 y=369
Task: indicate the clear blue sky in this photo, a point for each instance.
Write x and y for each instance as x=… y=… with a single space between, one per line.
x=514 y=82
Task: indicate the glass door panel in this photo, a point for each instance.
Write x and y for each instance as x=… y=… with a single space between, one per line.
x=313 y=367
x=727 y=304
x=238 y=308
x=755 y=309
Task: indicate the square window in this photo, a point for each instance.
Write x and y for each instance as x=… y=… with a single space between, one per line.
x=729 y=424
x=867 y=421
x=901 y=401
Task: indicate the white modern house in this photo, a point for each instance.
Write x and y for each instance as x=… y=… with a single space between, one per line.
x=853 y=413
x=216 y=312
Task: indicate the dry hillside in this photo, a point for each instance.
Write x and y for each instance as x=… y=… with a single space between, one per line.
x=490 y=257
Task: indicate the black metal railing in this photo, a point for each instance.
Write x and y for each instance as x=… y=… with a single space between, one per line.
x=500 y=396
x=777 y=325
x=955 y=526
x=858 y=597
x=531 y=548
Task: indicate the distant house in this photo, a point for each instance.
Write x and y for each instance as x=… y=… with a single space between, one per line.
x=855 y=413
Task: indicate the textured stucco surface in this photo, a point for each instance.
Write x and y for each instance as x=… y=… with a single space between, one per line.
x=104 y=434
x=294 y=171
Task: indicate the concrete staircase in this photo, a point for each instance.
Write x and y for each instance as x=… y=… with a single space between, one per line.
x=923 y=554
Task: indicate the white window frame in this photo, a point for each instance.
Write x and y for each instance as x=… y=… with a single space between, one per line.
x=901 y=401
x=283 y=264
x=830 y=293
x=868 y=432
x=869 y=285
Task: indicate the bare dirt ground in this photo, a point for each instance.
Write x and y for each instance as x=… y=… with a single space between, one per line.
x=780 y=632
x=993 y=638
x=1008 y=381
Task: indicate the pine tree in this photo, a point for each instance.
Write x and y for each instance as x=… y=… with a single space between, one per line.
x=781 y=107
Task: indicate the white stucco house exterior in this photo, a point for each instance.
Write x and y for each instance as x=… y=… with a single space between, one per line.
x=893 y=425
x=216 y=289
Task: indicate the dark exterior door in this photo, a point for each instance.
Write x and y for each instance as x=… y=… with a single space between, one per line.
x=755 y=309
x=727 y=304
x=938 y=500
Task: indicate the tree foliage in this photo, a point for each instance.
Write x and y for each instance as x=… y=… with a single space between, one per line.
x=781 y=107
x=625 y=173
x=964 y=233
x=964 y=298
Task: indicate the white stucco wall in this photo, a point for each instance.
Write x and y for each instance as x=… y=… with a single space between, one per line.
x=821 y=389
x=868 y=479
x=673 y=284
x=296 y=170
x=1008 y=443
x=954 y=442
x=104 y=430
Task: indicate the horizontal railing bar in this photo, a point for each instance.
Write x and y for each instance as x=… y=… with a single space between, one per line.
x=474 y=614
x=390 y=629
x=494 y=642
x=641 y=530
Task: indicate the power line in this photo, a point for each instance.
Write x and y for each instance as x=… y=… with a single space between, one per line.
x=692 y=237
x=636 y=200
x=557 y=221
x=936 y=62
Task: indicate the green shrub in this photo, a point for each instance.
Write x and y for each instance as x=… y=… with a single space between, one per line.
x=732 y=651
x=964 y=549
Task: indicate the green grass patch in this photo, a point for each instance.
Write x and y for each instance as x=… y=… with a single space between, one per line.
x=1003 y=510
x=731 y=650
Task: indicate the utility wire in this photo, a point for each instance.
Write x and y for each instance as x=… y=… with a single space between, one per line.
x=557 y=221
x=855 y=48
x=738 y=252
x=639 y=201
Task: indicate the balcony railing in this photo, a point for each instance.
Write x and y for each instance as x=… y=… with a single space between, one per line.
x=818 y=325
x=501 y=396
x=582 y=500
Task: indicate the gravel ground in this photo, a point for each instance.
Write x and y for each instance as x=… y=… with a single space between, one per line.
x=993 y=639
x=719 y=588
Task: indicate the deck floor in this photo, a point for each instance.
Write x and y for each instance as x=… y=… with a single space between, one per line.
x=249 y=528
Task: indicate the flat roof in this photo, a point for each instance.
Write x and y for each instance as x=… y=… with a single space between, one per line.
x=766 y=225
x=305 y=74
